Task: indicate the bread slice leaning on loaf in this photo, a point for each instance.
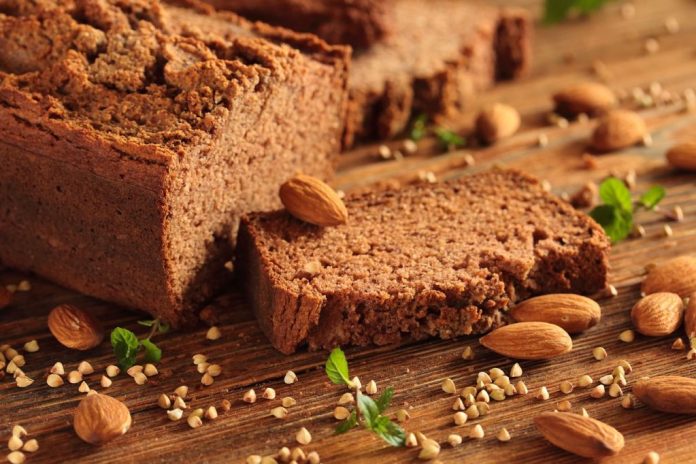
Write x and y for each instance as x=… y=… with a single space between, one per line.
x=427 y=260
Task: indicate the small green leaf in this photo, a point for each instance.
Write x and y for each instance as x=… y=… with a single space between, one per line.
x=368 y=410
x=337 y=367
x=653 y=196
x=125 y=345
x=419 y=127
x=384 y=399
x=616 y=222
x=448 y=138
x=558 y=10
x=389 y=431
x=347 y=424
x=163 y=328
x=614 y=192
x=152 y=352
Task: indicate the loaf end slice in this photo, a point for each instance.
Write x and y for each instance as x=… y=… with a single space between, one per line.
x=425 y=261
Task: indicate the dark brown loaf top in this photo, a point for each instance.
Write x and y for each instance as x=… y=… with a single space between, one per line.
x=429 y=260
x=134 y=134
x=359 y=23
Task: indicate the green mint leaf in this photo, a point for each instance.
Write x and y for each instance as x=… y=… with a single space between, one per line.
x=125 y=345
x=448 y=138
x=163 y=328
x=419 y=127
x=152 y=352
x=389 y=431
x=558 y=10
x=337 y=367
x=653 y=196
x=347 y=424
x=614 y=192
x=616 y=222
x=368 y=410
x=384 y=399
x=147 y=323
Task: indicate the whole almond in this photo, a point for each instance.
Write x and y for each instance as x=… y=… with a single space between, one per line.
x=618 y=129
x=573 y=313
x=311 y=200
x=75 y=328
x=677 y=275
x=683 y=156
x=528 y=340
x=658 y=314
x=497 y=122
x=580 y=435
x=690 y=317
x=101 y=418
x=668 y=393
x=585 y=97
x=5 y=297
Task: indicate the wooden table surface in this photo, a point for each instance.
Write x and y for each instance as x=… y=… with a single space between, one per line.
x=564 y=54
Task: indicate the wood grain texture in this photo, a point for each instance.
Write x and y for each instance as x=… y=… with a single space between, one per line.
x=564 y=54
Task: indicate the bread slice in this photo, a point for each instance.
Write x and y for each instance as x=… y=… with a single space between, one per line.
x=133 y=135
x=432 y=57
x=428 y=260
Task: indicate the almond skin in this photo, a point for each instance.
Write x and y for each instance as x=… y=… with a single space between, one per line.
x=580 y=435
x=497 y=122
x=668 y=393
x=101 y=418
x=573 y=313
x=311 y=200
x=618 y=129
x=690 y=317
x=658 y=314
x=683 y=156
x=528 y=340
x=677 y=275
x=75 y=328
x=586 y=97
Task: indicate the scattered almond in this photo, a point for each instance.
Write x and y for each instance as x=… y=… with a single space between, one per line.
x=528 y=340
x=573 y=313
x=677 y=275
x=75 y=328
x=586 y=97
x=683 y=156
x=658 y=314
x=580 y=435
x=311 y=200
x=101 y=418
x=497 y=122
x=618 y=129
x=669 y=393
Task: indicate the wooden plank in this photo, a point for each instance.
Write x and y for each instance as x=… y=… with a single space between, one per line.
x=415 y=370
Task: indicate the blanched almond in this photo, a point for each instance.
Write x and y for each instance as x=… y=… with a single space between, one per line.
x=573 y=313
x=101 y=418
x=580 y=435
x=658 y=314
x=528 y=340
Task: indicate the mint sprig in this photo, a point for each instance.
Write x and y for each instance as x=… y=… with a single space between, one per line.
x=449 y=139
x=369 y=412
x=126 y=344
x=616 y=214
x=558 y=10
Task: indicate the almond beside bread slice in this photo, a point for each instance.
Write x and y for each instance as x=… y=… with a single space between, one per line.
x=573 y=313
x=528 y=340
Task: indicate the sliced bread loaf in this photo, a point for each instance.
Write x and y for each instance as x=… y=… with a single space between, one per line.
x=428 y=260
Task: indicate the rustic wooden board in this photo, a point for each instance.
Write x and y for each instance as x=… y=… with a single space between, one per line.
x=563 y=54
